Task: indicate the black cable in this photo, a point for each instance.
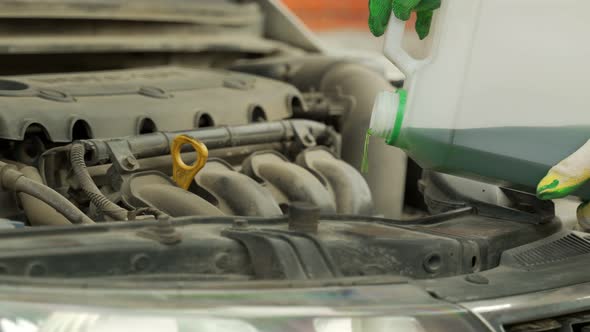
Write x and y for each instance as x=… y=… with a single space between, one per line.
x=102 y=203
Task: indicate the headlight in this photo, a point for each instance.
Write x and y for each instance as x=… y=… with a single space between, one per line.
x=375 y=324
x=250 y=320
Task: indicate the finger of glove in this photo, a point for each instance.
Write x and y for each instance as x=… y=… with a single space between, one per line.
x=379 y=13
x=567 y=176
x=423 y=22
x=403 y=8
x=427 y=5
x=583 y=214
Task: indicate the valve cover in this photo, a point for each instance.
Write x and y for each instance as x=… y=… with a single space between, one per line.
x=130 y=102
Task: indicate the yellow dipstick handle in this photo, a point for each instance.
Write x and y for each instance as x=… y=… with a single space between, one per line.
x=182 y=173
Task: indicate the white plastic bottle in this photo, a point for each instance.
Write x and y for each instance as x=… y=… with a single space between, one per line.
x=499 y=90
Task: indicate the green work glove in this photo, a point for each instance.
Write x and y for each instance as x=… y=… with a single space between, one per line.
x=567 y=176
x=380 y=11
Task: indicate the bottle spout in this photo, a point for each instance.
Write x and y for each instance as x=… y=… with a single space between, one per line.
x=388 y=115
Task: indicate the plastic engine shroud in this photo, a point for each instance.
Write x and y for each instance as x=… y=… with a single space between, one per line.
x=95 y=102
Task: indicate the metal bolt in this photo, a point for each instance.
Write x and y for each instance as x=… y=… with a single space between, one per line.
x=130 y=162
x=166 y=232
x=140 y=262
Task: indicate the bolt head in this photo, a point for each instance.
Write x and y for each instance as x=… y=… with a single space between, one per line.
x=140 y=262
x=131 y=161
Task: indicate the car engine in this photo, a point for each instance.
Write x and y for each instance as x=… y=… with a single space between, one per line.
x=260 y=160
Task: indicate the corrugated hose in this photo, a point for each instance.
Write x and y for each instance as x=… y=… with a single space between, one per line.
x=102 y=203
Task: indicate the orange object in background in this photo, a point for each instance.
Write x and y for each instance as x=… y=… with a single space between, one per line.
x=331 y=14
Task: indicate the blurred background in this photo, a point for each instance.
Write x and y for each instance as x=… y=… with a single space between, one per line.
x=339 y=23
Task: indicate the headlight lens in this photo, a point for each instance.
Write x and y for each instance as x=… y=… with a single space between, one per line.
x=202 y=321
x=371 y=324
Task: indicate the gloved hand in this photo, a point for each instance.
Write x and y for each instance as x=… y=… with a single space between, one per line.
x=380 y=11
x=567 y=176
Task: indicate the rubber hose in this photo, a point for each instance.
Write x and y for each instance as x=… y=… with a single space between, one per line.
x=87 y=185
x=16 y=181
x=53 y=199
x=38 y=212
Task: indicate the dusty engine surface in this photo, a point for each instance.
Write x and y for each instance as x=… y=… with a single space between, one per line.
x=125 y=122
x=302 y=246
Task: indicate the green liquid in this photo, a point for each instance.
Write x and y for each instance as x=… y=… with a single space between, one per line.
x=512 y=157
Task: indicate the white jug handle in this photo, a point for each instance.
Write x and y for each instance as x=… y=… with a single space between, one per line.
x=393 y=49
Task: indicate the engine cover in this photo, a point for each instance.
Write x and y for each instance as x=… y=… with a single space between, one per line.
x=91 y=105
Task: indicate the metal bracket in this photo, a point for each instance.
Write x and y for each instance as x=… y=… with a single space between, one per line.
x=123 y=159
x=304 y=136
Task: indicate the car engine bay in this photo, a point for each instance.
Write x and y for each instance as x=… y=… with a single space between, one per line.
x=274 y=201
x=94 y=138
